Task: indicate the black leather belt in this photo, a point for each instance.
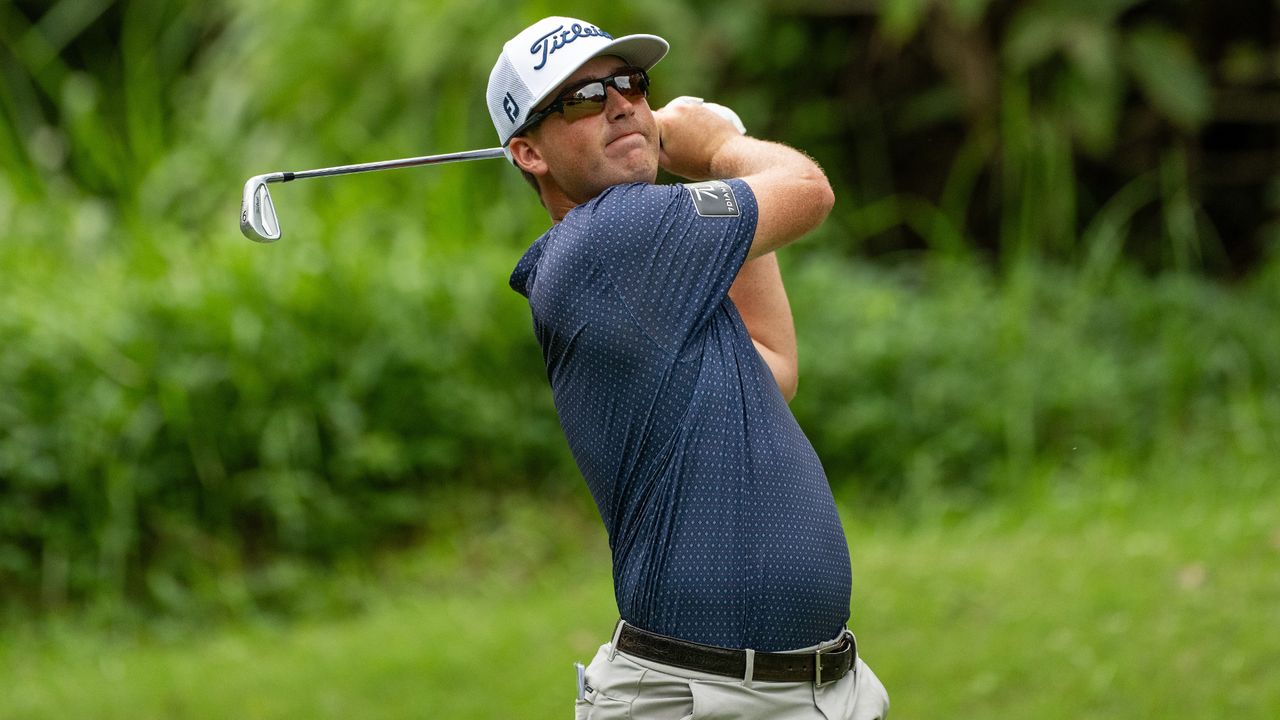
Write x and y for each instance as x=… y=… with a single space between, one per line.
x=820 y=668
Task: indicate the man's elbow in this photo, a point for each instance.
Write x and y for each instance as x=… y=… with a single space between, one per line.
x=824 y=198
x=817 y=187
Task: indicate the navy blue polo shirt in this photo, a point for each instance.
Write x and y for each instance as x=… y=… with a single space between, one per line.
x=720 y=519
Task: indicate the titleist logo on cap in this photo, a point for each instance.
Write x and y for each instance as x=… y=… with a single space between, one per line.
x=545 y=45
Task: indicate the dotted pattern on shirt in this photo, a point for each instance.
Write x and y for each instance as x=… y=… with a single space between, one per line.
x=721 y=522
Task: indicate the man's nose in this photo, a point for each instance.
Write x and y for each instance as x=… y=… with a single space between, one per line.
x=617 y=106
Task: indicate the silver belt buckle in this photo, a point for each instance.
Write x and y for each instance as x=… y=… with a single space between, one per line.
x=817 y=661
x=817 y=671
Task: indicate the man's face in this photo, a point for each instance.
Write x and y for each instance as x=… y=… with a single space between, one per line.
x=587 y=155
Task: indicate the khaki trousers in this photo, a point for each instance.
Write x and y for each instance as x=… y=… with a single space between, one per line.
x=624 y=687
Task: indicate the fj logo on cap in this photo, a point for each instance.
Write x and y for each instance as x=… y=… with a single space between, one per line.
x=713 y=199
x=546 y=46
x=510 y=107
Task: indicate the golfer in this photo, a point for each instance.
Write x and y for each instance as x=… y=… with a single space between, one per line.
x=671 y=354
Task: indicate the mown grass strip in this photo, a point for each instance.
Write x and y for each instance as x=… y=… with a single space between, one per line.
x=1126 y=604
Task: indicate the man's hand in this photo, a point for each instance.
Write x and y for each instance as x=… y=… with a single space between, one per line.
x=691 y=135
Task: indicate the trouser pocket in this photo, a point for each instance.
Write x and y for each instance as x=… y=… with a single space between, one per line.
x=872 y=699
x=609 y=690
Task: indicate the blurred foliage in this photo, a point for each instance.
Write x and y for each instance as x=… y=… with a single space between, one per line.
x=1039 y=205
x=951 y=381
x=1008 y=127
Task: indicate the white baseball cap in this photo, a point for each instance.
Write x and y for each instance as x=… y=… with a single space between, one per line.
x=535 y=62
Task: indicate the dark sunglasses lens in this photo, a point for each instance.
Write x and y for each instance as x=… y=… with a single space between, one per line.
x=632 y=84
x=586 y=100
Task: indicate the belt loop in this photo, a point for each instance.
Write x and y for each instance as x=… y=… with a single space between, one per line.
x=751 y=668
x=853 y=643
x=613 y=643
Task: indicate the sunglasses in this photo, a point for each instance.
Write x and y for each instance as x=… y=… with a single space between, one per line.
x=589 y=97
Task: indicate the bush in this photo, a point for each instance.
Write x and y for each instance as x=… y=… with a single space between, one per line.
x=945 y=376
x=215 y=405
x=172 y=411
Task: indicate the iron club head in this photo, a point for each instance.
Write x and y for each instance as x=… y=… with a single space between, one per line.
x=258 y=219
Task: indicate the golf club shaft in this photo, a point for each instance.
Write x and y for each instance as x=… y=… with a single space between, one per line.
x=392 y=164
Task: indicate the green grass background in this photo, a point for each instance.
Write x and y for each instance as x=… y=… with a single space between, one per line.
x=1123 y=603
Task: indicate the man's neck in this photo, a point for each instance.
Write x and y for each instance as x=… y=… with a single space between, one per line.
x=557 y=203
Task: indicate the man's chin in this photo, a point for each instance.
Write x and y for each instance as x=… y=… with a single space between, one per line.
x=644 y=175
x=632 y=169
x=639 y=167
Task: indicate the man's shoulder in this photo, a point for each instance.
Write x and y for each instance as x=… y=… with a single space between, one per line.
x=636 y=202
x=620 y=213
x=622 y=205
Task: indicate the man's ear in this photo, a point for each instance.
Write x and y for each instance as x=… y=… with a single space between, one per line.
x=526 y=156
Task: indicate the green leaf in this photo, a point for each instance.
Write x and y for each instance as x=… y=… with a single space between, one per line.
x=1033 y=36
x=1091 y=106
x=1244 y=63
x=969 y=12
x=1079 y=26
x=1090 y=90
x=900 y=19
x=1169 y=75
x=1094 y=50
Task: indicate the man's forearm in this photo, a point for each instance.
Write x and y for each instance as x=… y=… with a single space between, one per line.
x=743 y=156
x=791 y=190
x=762 y=302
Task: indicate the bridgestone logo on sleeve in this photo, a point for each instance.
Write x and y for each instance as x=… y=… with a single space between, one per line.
x=713 y=199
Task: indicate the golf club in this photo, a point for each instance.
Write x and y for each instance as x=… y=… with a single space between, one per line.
x=258 y=220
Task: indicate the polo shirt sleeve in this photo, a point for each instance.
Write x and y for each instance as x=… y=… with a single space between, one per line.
x=672 y=251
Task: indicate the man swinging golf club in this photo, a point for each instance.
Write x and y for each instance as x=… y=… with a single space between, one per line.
x=671 y=354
